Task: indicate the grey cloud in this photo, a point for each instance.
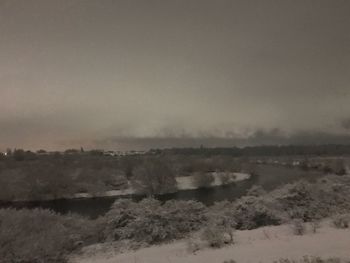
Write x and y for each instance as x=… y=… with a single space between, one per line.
x=345 y=124
x=273 y=137
x=172 y=69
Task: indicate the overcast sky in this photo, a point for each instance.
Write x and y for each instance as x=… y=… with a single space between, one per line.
x=100 y=73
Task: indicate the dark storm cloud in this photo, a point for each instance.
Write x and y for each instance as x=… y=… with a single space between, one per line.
x=258 y=138
x=90 y=70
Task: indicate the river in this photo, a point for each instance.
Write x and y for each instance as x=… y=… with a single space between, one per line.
x=267 y=176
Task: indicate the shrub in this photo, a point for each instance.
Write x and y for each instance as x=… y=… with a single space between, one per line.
x=252 y=212
x=298 y=227
x=150 y=222
x=192 y=246
x=315 y=225
x=203 y=179
x=222 y=214
x=256 y=190
x=214 y=236
x=311 y=202
x=341 y=221
x=40 y=235
x=153 y=177
x=308 y=202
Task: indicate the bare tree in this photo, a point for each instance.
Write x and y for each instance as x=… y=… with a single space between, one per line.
x=153 y=177
x=203 y=179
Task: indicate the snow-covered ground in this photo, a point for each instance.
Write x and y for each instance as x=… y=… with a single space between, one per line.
x=251 y=246
x=183 y=183
x=187 y=182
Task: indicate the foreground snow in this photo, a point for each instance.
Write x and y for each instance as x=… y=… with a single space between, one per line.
x=260 y=245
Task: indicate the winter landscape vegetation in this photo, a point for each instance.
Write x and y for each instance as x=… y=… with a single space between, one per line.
x=292 y=219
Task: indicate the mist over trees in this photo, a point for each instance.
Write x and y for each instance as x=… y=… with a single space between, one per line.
x=267 y=150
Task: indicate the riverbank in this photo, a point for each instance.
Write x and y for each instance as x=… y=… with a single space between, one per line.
x=266 y=245
x=182 y=182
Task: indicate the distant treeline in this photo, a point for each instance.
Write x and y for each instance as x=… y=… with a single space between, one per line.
x=249 y=151
x=271 y=150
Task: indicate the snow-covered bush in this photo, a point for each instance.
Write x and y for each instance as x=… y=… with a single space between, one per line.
x=341 y=221
x=315 y=225
x=193 y=245
x=150 y=222
x=298 y=227
x=222 y=214
x=215 y=236
x=40 y=235
x=251 y=212
x=313 y=201
x=256 y=190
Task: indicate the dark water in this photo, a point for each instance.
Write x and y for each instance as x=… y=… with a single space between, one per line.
x=268 y=176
